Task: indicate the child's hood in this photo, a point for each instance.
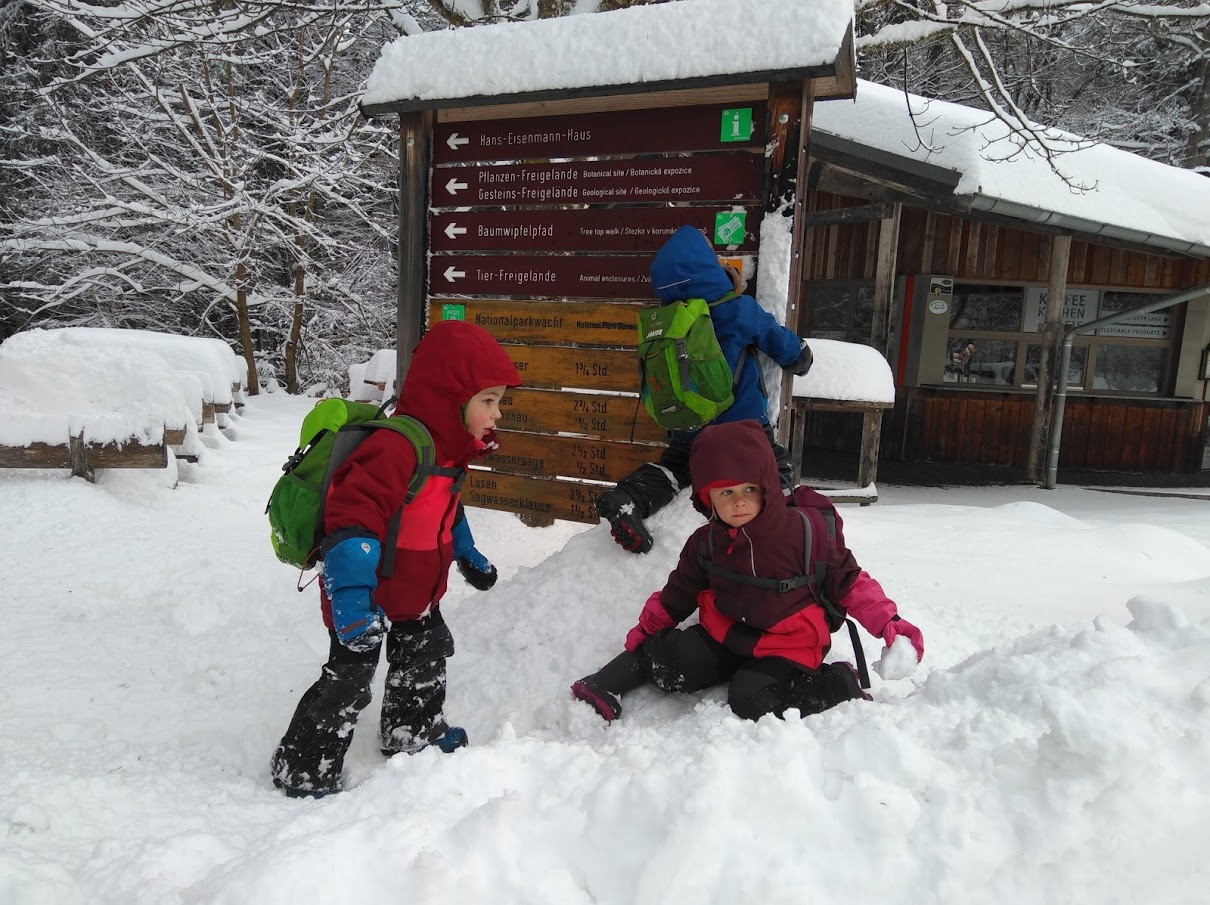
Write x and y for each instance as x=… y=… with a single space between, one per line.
x=453 y=361
x=687 y=268
x=738 y=452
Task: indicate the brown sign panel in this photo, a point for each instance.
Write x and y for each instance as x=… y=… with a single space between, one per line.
x=565 y=366
x=583 y=323
x=717 y=178
x=590 y=229
x=592 y=276
x=534 y=496
x=713 y=127
x=569 y=457
x=595 y=414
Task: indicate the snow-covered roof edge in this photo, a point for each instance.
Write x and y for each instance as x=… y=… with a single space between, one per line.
x=707 y=43
x=968 y=154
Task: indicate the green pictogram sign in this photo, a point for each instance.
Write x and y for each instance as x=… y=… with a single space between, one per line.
x=737 y=124
x=453 y=312
x=729 y=227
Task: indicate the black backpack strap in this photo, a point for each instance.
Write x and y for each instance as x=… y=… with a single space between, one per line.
x=836 y=615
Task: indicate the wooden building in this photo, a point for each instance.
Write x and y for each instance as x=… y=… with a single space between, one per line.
x=948 y=275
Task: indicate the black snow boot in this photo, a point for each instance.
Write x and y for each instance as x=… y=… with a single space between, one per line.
x=604 y=688
x=625 y=524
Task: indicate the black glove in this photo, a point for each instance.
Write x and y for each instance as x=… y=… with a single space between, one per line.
x=802 y=364
x=477 y=578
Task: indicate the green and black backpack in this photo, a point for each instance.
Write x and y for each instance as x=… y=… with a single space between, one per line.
x=684 y=379
x=330 y=432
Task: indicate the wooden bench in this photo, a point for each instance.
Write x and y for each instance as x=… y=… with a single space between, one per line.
x=83 y=457
x=871 y=433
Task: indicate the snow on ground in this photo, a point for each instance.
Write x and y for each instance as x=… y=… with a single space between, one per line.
x=1051 y=748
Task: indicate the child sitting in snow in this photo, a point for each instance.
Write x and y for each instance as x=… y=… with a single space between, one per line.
x=457 y=376
x=767 y=641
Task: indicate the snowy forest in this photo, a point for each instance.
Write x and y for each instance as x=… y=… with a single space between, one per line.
x=203 y=167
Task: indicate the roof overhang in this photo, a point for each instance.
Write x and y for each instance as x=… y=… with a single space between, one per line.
x=848 y=167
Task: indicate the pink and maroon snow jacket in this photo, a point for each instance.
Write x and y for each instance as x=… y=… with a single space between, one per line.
x=752 y=621
x=454 y=361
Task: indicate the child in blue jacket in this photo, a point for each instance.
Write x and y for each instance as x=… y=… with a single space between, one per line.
x=686 y=267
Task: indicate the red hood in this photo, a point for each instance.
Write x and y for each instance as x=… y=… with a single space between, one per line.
x=736 y=452
x=452 y=362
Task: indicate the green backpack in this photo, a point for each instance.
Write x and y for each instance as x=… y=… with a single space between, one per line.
x=684 y=379
x=330 y=432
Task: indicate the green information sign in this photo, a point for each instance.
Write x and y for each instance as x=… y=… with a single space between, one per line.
x=736 y=125
x=453 y=312
x=729 y=227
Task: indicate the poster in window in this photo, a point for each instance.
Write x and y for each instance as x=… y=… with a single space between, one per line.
x=1079 y=307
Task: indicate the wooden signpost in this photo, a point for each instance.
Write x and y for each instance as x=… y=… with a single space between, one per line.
x=542 y=230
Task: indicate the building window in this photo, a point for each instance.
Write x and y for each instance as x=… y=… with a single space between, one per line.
x=840 y=309
x=993 y=339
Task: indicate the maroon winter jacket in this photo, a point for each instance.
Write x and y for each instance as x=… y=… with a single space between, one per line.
x=454 y=361
x=752 y=621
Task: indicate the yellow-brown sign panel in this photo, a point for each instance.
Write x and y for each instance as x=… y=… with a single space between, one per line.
x=531 y=496
x=570 y=457
x=583 y=323
x=563 y=366
x=595 y=414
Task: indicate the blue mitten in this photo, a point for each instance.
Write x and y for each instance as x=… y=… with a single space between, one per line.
x=473 y=565
x=349 y=571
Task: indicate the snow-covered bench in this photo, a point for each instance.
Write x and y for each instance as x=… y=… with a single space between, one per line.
x=84 y=406
x=845 y=377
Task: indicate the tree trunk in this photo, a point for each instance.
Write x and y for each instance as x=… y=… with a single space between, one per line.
x=245 y=325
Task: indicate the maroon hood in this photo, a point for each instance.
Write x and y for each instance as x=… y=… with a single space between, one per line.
x=454 y=361
x=736 y=452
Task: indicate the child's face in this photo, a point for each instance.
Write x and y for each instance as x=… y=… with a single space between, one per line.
x=483 y=411
x=738 y=504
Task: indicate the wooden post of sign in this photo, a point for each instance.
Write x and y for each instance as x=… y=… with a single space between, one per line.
x=790 y=108
x=415 y=142
x=1052 y=333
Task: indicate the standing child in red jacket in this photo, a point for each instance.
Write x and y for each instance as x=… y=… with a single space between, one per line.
x=762 y=625
x=453 y=386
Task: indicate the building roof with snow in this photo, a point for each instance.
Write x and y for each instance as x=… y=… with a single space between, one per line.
x=702 y=44
x=967 y=159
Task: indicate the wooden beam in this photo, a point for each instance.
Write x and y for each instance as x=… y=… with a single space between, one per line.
x=1052 y=333
x=82 y=457
x=863 y=213
x=884 y=281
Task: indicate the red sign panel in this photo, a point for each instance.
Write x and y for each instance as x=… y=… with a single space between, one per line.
x=717 y=178
x=587 y=229
x=533 y=276
x=715 y=127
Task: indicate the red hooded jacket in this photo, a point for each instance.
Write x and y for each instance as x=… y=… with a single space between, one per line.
x=454 y=361
x=752 y=621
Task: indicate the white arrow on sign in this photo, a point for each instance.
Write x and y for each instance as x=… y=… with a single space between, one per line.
x=451 y=274
x=453 y=230
x=454 y=185
x=455 y=141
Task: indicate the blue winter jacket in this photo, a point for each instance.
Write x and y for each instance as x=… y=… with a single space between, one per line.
x=687 y=268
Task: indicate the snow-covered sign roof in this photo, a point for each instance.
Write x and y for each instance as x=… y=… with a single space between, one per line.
x=693 y=43
x=1106 y=192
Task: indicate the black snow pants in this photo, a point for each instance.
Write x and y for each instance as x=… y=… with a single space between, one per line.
x=688 y=660
x=653 y=485
x=312 y=752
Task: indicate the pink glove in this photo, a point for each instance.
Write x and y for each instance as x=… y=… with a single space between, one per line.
x=654 y=618
x=900 y=626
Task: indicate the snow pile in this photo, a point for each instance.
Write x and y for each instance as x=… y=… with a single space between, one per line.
x=1051 y=747
x=52 y=389
x=663 y=42
x=847 y=371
